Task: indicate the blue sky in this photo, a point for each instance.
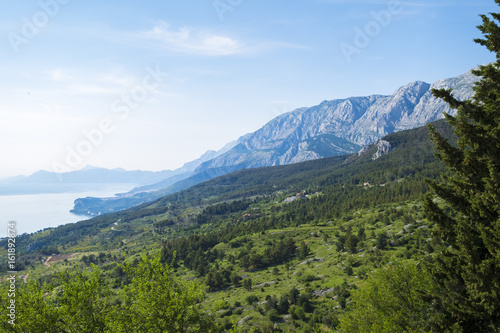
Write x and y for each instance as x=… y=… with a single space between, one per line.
x=153 y=84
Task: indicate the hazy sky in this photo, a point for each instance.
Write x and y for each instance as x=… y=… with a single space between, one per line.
x=153 y=84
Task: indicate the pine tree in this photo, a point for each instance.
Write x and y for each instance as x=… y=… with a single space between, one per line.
x=467 y=213
x=304 y=251
x=351 y=243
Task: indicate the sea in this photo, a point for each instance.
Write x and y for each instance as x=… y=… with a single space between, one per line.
x=34 y=210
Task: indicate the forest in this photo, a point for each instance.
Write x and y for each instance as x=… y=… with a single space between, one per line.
x=406 y=242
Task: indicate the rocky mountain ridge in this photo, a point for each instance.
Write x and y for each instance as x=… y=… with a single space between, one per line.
x=331 y=128
x=341 y=126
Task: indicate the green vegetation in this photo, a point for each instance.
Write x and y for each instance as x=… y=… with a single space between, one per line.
x=81 y=301
x=391 y=301
x=468 y=272
x=264 y=263
x=365 y=247
x=334 y=185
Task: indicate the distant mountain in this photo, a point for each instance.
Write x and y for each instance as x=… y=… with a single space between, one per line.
x=332 y=128
x=341 y=126
x=390 y=170
x=50 y=182
x=93 y=175
x=179 y=180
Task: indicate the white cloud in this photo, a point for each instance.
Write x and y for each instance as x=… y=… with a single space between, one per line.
x=187 y=40
x=59 y=75
x=77 y=82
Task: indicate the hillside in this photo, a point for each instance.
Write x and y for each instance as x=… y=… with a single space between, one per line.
x=254 y=236
x=332 y=128
x=410 y=158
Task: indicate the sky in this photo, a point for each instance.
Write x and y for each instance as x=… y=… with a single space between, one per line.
x=151 y=85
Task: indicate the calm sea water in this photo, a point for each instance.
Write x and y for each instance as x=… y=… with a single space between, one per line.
x=33 y=212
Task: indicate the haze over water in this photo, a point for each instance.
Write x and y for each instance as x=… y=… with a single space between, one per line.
x=34 y=212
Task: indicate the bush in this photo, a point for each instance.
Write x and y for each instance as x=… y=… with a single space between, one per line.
x=283 y=305
x=304 y=302
x=307 y=278
x=227 y=313
x=393 y=299
x=297 y=312
x=273 y=315
x=251 y=299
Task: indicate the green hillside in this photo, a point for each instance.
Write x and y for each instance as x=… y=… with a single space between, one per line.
x=369 y=242
x=395 y=177
x=264 y=259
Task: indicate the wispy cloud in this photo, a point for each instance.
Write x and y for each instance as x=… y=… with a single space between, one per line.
x=192 y=41
x=185 y=40
x=76 y=82
x=59 y=75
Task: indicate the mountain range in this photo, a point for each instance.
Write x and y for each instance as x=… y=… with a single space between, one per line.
x=87 y=178
x=393 y=169
x=331 y=128
x=340 y=126
x=351 y=214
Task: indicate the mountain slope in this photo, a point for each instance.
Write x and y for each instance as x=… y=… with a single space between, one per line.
x=353 y=122
x=396 y=175
x=241 y=235
x=332 y=128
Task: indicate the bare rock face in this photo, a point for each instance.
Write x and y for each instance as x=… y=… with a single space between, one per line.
x=341 y=126
x=383 y=148
x=331 y=128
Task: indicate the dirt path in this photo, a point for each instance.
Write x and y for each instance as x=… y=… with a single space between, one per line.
x=25 y=279
x=56 y=258
x=46 y=262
